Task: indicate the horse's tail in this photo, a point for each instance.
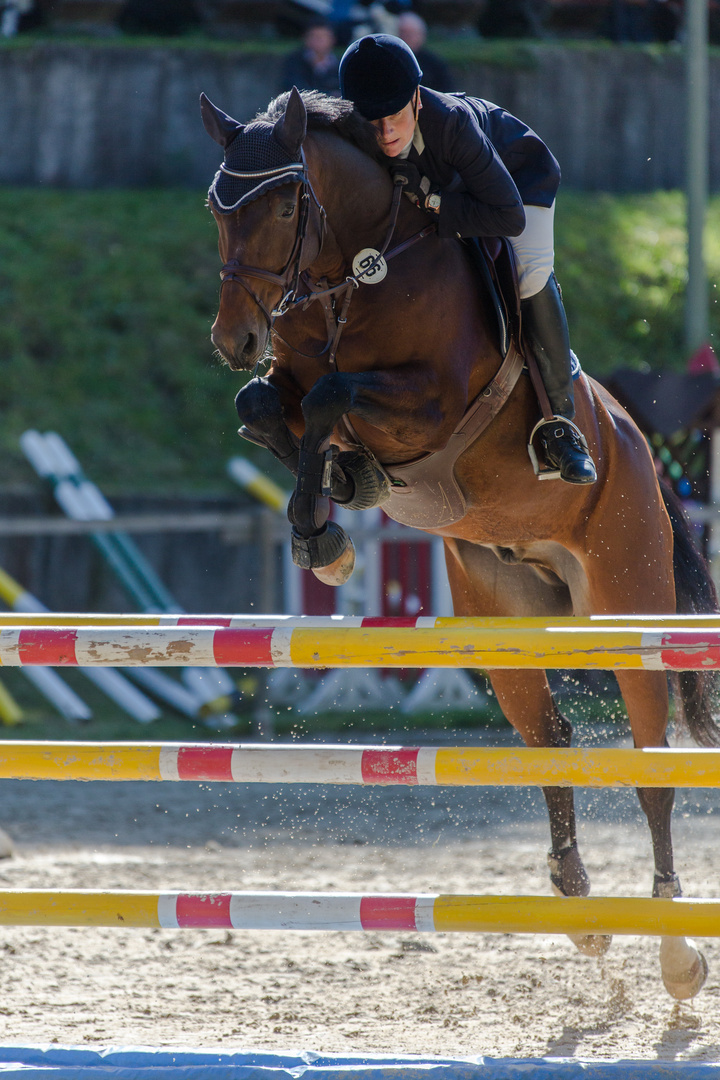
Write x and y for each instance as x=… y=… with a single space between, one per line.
x=697 y=693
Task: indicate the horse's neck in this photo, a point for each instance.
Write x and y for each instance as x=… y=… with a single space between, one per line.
x=355 y=192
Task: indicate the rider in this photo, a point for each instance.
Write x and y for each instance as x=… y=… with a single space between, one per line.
x=483 y=173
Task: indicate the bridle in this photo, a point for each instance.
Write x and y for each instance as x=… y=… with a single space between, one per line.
x=288 y=279
x=292 y=274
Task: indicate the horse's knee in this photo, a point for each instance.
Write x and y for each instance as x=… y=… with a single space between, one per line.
x=258 y=403
x=260 y=412
x=323 y=405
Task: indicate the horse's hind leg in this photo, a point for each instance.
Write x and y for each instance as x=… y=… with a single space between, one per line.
x=621 y=581
x=526 y=701
x=482 y=584
x=684 y=968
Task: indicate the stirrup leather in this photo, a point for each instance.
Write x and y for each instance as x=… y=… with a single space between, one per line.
x=543 y=471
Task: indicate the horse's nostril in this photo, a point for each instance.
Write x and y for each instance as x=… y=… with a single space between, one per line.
x=250 y=345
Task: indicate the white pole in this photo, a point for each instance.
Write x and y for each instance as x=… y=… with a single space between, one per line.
x=696 y=152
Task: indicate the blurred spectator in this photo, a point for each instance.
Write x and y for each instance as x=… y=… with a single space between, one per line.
x=162 y=17
x=13 y=16
x=667 y=19
x=314 y=66
x=513 y=18
x=296 y=16
x=413 y=31
x=372 y=16
x=632 y=20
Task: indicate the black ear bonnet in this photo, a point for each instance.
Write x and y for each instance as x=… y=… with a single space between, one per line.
x=254 y=164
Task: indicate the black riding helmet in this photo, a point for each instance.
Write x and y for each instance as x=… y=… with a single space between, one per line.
x=379 y=74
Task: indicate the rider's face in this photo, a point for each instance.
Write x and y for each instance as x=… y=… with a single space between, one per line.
x=395 y=132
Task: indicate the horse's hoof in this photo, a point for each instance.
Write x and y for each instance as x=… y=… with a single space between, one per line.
x=338 y=572
x=684 y=968
x=568 y=878
x=587 y=944
x=591 y=944
x=371 y=487
x=322 y=550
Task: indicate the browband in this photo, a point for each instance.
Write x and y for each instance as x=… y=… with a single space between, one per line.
x=293 y=167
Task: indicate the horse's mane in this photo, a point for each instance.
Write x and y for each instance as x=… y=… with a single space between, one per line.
x=330 y=113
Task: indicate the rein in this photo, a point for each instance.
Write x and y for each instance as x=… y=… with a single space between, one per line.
x=289 y=278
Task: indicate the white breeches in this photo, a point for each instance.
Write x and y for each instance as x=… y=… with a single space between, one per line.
x=534 y=250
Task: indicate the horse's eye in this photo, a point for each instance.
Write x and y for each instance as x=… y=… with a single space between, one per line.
x=288 y=210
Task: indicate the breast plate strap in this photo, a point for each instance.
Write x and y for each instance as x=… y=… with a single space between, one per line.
x=425 y=492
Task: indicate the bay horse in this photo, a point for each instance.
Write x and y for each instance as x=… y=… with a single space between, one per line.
x=382 y=345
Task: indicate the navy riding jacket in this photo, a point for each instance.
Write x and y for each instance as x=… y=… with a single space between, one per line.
x=485 y=162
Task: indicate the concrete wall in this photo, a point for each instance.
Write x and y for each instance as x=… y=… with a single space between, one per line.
x=102 y=115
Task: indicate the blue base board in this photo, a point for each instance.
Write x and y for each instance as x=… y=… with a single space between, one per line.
x=144 y=1063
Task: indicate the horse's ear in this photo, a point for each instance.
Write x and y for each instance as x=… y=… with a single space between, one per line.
x=219 y=126
x=291 y=128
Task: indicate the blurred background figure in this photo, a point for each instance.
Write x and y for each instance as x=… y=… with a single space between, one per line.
x=296 y=16
x=413 y=31
x=373 y=17
x=668 y=19
x=514 y=18
x=315 y=65
x=631 y=20
x=163 y=17
x=13 y=13
x=645 y=20
x=350 y=19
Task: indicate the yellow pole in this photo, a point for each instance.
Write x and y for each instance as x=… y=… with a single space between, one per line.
x=577 y=915
x=312 y=764
x=78 y=908
x=577 y=767
x=26 y=760
x=448 y=914
x=265 y=490
x=664 y=623
x=10 y=712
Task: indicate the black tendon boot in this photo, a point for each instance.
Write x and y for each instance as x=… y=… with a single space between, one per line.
x=545 y=325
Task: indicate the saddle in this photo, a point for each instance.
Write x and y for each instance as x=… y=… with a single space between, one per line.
x=493 y=259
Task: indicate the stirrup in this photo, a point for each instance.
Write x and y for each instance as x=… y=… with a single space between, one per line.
x=545 y=472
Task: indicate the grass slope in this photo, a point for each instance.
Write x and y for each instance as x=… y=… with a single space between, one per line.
x=107 y=298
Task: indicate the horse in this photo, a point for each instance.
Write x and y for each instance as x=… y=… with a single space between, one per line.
x=382 y=344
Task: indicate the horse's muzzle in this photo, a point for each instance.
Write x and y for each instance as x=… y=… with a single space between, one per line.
x=241 y=353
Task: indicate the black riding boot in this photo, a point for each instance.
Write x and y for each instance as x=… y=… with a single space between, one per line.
x=545 y=325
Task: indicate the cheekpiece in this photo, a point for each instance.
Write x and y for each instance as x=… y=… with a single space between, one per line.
x=254 y=164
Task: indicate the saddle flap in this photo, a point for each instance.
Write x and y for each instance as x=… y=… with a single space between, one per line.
x=493 y=258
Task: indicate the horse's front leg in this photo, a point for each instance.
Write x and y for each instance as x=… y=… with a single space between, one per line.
x=393 y=401
x=317 y=543
x=259 y=408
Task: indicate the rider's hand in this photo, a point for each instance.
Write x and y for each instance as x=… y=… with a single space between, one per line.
x=416 y=186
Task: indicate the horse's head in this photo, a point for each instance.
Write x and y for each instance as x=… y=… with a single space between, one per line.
x=269 y=228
